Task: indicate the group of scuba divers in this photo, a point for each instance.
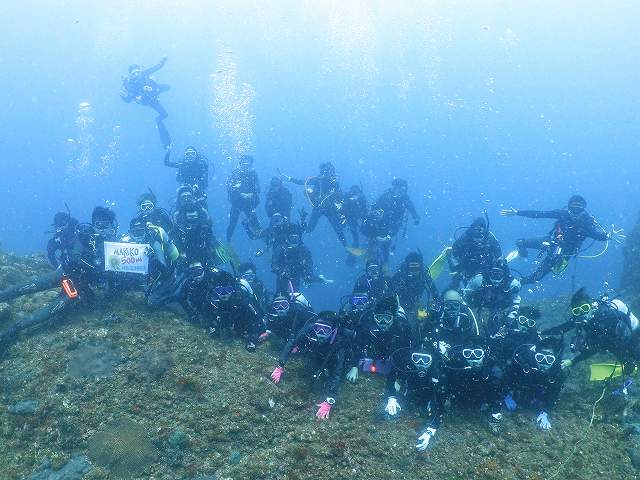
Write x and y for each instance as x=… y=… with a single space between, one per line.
x=471 y=345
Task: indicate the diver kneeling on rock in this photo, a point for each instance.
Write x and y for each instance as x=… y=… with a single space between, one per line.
x=325 y=343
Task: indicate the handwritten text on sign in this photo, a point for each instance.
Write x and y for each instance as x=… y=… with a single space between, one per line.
x=126 y=257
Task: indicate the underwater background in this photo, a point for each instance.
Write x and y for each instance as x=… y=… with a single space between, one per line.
x=480 y=105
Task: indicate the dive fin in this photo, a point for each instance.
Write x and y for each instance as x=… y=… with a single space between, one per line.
x=605 y=371
x=358 y=252
x=436 y=267
x=512 y=255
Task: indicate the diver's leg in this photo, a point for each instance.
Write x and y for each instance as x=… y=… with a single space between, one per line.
x=165 y=138
x=162 y=113
x=543 y=269
x=335 y=219
x=38 y=284
x=313 y=221
x=536 y=243
x=234 y=214
x=163 y=87
x=54 y=308
x=353 y=227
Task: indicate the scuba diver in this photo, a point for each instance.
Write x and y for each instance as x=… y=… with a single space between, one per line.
x=287 y=314
x=395 y=204
x=534 y=378
x=227 y=305
x=495 y=290
x=164 y=279
x=278 y=199
x=422 y=385
x=193 y=171
x=572 y=226
x=293 y=264
x=475 y=251
x=193 y=232
x=452 y=323
x=148 y=211
x=65 y=236
x=354 y=210
x=247 y=271
x=80 y=271
x=379 y=236
x=325 y=196
x=474 y=378
x=373 y=281
x=275 y=235
x=325 y=343
x=602 y=325
x=243 y=190
x=382 y=330
x=411 y=282
x=140 y=87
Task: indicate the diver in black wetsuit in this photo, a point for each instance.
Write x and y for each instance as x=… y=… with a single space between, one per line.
x=148 y=211
x=475 y=251
x=293 y=264
x=355 y=210
x=373 y=281
x=193 y=171
x=395 y=204
x=243 y=190
x=287 y=314
x=247 y=271
x=278 y=199
x=411 y=282
x=81 y=269
x=193 y=232
x=572 y=226
x=325 y=343
x=325 y=195
x=379 y=236
x=141 y=88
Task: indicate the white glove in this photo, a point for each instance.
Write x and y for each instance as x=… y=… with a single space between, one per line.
x=392 y=407
x=543 y=421
x=352 y=374
x=509 y=212
x=618 y=235
x=325 y=281
x=566 y=363
x=424 y=439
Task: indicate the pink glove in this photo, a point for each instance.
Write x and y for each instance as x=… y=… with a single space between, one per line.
x=323 y=411
x=277 y=373
x=295 y=349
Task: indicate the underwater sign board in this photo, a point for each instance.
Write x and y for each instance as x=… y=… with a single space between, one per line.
x=126 y=257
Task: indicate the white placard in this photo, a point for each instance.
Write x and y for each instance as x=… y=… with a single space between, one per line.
x=126 y=257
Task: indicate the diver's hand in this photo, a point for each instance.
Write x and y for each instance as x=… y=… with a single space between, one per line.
x=324 y=280
x=618 y=235
x=392 y=407
x=163 y=60
x=277 y=374
x=543 y=421
x=566 y=363
x=352 y=374
x=510 y=212
x=325 y=408
x=424 y=439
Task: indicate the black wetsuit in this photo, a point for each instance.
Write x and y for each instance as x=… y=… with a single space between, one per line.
x=144 y=90
x=243 y=191
x=411 y=289
x=533 y=388
x=374 y=344
x=379 y=236
x=468 y=258
x=278 y=200
x=376 y=288
x=325 y=361
x=157 y=216
x=354 y=210
x=395 y=208
x=325 y=195
x=290 y=324
x=564 y=240
x=293 y=265
x=193 y=235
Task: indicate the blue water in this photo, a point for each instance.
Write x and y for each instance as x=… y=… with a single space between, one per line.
x=480 y=105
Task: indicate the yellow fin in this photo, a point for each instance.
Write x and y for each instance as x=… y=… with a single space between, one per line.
x=604 y=371
x=436 y=267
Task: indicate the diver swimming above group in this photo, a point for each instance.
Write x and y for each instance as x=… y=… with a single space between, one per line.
x=473 y=344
